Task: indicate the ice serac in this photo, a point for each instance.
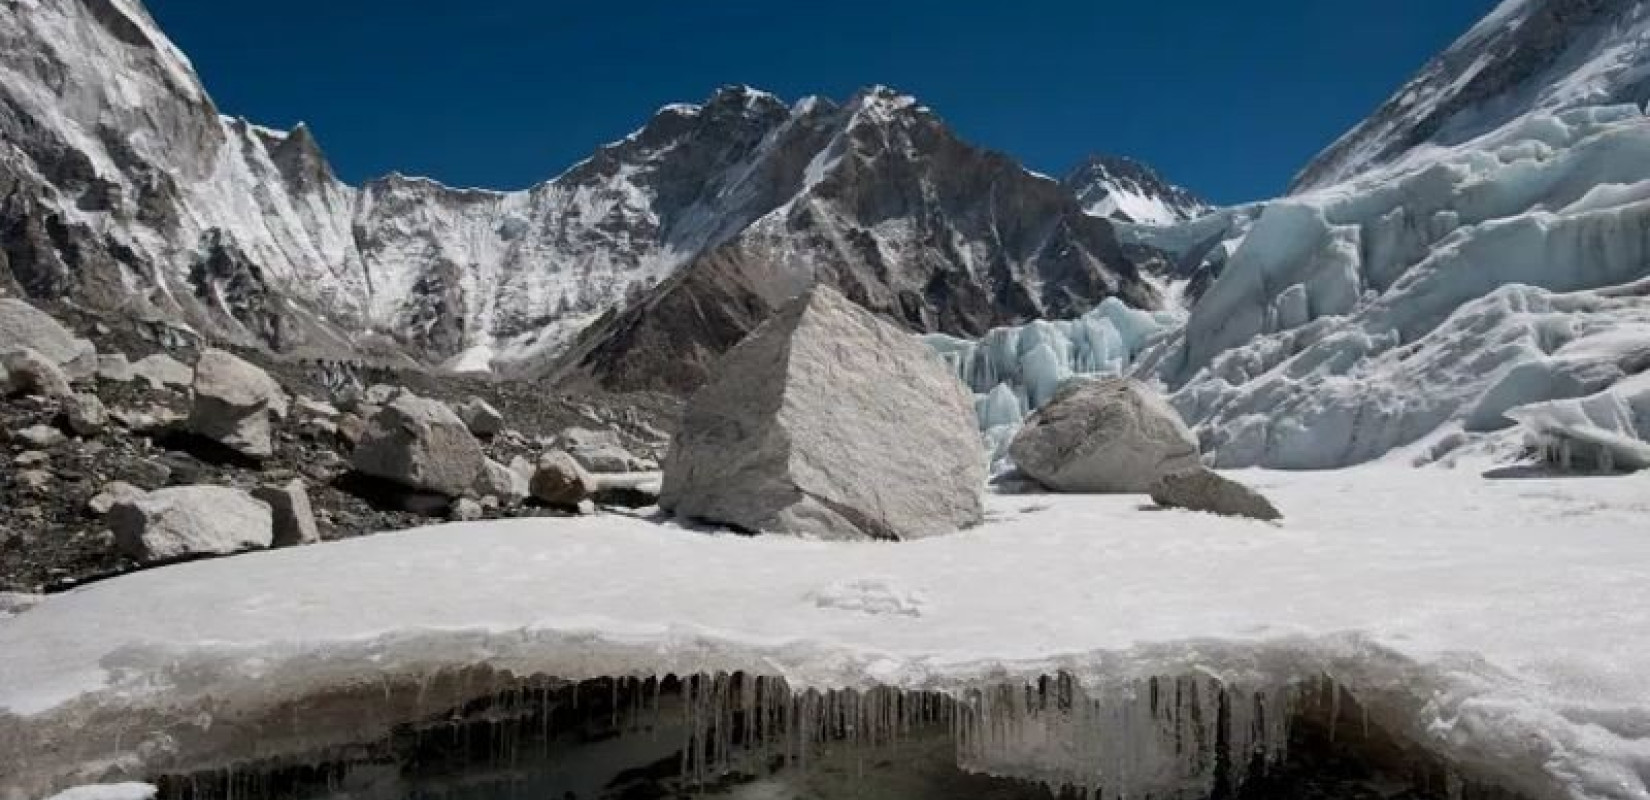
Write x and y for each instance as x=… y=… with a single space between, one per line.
x=1436 y=290
x=1129 y=191
x=886 y=205
x=830 y=422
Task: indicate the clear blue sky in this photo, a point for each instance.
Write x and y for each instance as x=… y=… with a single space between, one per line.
x=1229 y=98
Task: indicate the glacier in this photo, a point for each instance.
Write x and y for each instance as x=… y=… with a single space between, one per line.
x=1483 y=622
x=1359 y=319
x=1014 y=370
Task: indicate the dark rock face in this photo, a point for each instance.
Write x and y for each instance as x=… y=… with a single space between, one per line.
x=1205 y=490
x=1517 y=62
x=902 y=218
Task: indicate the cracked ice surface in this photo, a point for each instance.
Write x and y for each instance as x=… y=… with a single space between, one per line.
x=1503 y=623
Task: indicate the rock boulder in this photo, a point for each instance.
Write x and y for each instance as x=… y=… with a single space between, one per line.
x=420 y=444
x=294 y=517
x=188 y=521
x=236 y=404
x=1204 y=490
x=23 y=326
x=30 y=372
x=1102 y=436
x=560 y=481
x=827 y=421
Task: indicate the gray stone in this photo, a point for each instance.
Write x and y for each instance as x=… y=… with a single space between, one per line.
x=190 y=521
x=24 y=327
x=41 y=436
x=1101 y=436
x=828 y=421
x=421 y=444
x=115 y=368
x=503 y=483
x=560 y=481
x=34 y=478
x=294 y=517
x=236 y=404
x=162 y=371
x=1202 y=489
x=314 y=408
x=28 y=371
x=32 y=458
x=480 y=416
x=86 y=414
x=466 y=510
x=112 y=493
x=380 y=394
x=599 y=451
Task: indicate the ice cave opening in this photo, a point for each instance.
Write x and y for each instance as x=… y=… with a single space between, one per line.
x=751 y=736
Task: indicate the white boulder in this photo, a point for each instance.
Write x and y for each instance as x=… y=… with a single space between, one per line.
x=293 y=515
x=162 y=371
x=480 y=416
x=827 y=421
x=188 y=521
x=1107 y=435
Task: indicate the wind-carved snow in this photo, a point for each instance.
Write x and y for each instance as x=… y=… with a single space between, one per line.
x=1013 y=371
x=1491 y=622
x=1375 y=314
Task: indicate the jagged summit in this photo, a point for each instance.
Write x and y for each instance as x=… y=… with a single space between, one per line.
x=1129 y=190
x=133 y=190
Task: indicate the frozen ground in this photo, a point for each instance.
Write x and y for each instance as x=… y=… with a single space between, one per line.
x=1504 y=622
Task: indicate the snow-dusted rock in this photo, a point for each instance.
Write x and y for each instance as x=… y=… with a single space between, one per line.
x=292 y=513
x=28 y=371
x=1606 y=431
x=421 y=444
x=1203 y=489
x=560 y=481
x=236 y=404
x=828 y=421
x=1127 y=190
x=85 y=414
x=480 y=416
x=23 y=326
x=1106 y=435
x=162 y=371
x=186 y=521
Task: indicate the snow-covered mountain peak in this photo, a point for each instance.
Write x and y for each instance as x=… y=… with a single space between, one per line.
x=1527 y=56
x=1125 y=189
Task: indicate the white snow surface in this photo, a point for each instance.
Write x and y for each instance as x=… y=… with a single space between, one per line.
x=1504 y=622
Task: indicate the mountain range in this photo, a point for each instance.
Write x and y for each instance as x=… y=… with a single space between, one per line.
x=127 y=190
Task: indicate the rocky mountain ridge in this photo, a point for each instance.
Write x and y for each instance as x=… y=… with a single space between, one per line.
x=125 y=189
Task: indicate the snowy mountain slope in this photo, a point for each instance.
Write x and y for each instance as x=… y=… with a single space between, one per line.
x=1130 y=191
x=127 y=190
x=1527 y=55
x=898 y=213
x=1428 y=300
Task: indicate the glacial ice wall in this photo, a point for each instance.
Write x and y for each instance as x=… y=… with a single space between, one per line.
x=1015 y=370
x=1507 y=271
